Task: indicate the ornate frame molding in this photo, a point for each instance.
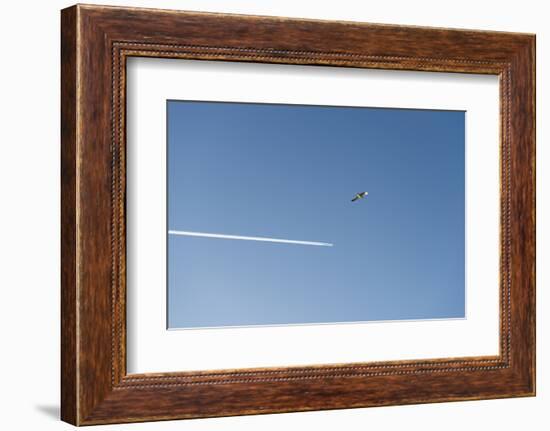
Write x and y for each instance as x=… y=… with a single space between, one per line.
x=96 y=41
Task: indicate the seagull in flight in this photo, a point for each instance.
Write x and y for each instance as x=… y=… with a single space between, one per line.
x=360 y=195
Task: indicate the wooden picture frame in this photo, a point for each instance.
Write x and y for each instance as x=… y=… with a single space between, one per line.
x=95 y=43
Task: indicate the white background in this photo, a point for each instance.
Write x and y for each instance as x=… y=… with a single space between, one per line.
x=29 y=228
x=151 y=348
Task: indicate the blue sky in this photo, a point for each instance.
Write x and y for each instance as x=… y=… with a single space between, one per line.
x=289 y=172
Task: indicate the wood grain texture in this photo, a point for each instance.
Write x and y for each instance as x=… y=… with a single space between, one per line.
x=96 y=41
x=69 y=397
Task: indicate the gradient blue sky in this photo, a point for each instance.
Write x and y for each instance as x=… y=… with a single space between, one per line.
x=290 y=171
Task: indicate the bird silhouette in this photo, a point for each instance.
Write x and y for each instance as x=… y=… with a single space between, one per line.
x=360 y=195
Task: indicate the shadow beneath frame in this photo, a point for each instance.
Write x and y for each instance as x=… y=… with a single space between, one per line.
x=52 y=411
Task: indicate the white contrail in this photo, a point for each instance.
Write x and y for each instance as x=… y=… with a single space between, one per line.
x=248 y=238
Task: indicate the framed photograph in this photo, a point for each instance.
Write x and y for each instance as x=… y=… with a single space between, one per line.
x=265 y=214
